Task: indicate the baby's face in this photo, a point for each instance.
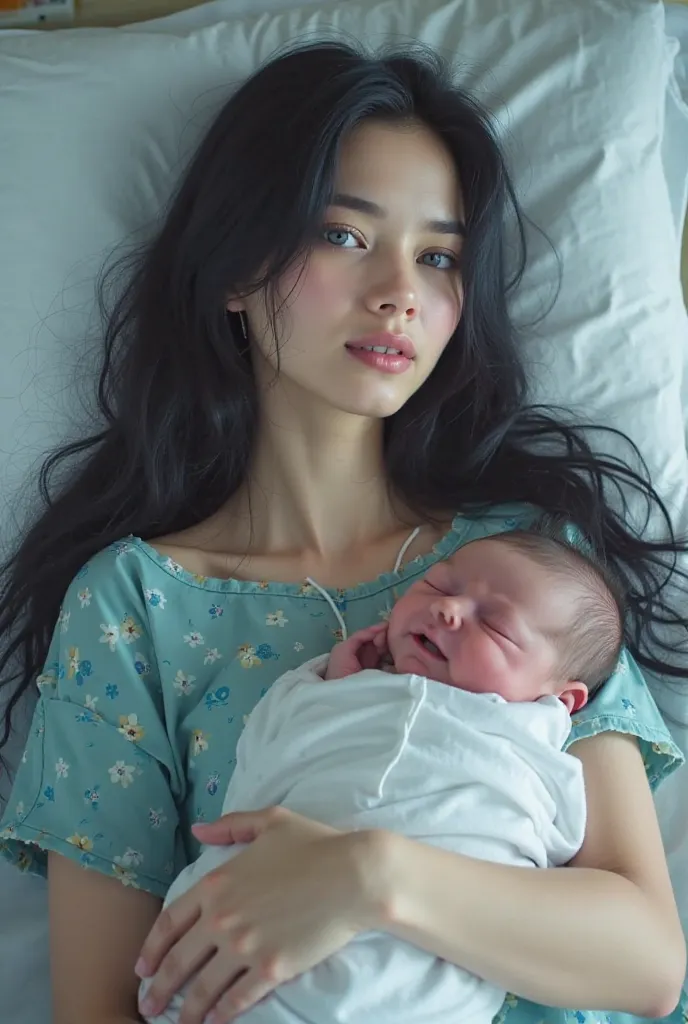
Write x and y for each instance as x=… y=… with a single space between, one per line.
x=484 y=621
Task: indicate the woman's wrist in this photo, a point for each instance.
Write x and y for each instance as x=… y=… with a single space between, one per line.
x=409 y=872
x=371 y=855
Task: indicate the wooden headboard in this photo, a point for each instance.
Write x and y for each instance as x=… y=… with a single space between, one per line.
x=91 y=13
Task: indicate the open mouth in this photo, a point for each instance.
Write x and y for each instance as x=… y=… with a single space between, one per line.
x=382 y=349
x=426 y=643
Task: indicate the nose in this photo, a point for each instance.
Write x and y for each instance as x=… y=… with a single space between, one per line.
x=451 y=612
x=395 y=293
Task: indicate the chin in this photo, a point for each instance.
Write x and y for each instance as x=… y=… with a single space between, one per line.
x=413 y=665
x=373 y=407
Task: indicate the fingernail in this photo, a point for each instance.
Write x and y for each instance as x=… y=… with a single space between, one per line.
x=148 y=1007
x=141 y=968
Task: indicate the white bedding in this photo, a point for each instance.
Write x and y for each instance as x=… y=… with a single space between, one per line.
x=630 y=370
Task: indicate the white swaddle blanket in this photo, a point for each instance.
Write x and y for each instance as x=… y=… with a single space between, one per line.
x=467 y=772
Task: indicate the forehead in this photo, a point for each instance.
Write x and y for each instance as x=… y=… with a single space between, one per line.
x=390 y=162
x=490 y=557
x=509 y=573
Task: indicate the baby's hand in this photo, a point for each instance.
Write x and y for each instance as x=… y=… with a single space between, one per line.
x=365 y=649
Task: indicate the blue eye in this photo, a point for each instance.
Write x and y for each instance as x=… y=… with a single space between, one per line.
x=339 y=237
x=449 y=264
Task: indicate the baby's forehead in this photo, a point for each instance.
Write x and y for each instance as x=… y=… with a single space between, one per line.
x=485 y=551
x=495 y=559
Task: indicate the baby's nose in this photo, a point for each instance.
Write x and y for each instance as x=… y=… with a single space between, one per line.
x=450 y=611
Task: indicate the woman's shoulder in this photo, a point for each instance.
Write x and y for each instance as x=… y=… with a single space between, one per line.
x=121 y=565
x=625 y=704
x=127 y=574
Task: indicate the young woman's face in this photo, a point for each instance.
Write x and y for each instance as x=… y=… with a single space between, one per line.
x=384 y=274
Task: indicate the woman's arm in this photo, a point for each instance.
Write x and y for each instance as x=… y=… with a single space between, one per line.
x=603 y=932
x=97 y=928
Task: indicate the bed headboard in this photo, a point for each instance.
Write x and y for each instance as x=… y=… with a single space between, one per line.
x=90 y=13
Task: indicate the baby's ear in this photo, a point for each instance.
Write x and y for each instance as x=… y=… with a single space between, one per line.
x=574 y=696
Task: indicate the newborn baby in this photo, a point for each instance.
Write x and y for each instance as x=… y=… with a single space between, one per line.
x=456 y=711
x=521 y=615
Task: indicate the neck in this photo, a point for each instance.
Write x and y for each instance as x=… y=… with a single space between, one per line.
x=316 y=482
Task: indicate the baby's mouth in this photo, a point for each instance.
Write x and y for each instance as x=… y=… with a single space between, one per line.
x=428 y=645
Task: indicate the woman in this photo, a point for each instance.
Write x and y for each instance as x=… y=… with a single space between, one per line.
x=314 y=359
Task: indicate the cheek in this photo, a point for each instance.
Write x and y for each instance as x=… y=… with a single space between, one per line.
x=442 y=311
x=398 y=621
x=404 y=613
x=314 y=292
x=485 y=656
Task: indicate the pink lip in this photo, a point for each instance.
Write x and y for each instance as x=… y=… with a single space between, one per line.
x=398 y=341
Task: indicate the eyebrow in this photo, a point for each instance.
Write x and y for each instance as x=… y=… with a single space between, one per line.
x=349 y=202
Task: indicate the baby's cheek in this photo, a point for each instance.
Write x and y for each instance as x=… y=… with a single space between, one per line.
x=393 y=641
x=486 y=665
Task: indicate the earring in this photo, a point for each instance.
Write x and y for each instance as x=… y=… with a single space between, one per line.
x=244 y=324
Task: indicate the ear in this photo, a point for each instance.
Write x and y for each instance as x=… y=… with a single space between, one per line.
x=235 y=306
x=574 y=696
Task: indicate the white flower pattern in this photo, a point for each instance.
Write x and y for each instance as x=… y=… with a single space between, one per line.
x=124 y=873
x=183 y=683
x=131 y=858
x=199 y=742
x=156 y=817
x=110 y=635
x=193 y=639
x=122 y=774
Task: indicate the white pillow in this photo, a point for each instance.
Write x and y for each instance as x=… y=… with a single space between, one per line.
x=675 y=144
x=93 y=141
x=95 y=127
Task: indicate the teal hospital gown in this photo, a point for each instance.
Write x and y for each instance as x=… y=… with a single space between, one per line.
x=150 y=676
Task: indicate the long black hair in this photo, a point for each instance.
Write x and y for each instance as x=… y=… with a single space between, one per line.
x=177 y=393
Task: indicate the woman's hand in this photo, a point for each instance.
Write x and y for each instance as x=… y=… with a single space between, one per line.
x=300 y=893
